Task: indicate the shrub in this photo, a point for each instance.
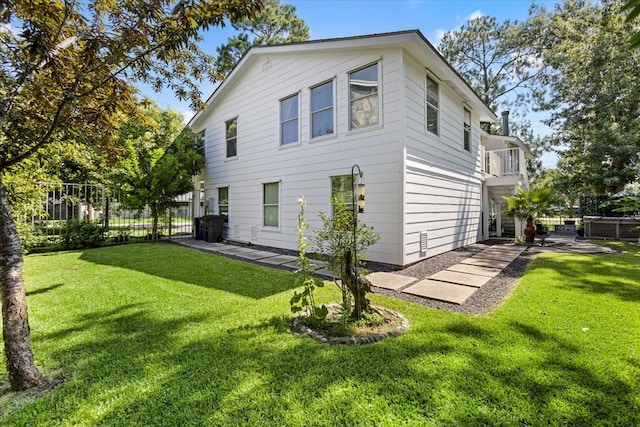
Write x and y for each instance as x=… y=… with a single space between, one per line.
x=83 y=234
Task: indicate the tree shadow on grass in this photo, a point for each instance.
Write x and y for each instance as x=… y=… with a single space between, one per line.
x=616 y=275
x=197 y=268
x=132 y=367
x=44 y=290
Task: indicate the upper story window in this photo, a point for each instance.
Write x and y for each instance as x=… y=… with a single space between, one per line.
x=223 y=202
x=433 y=105
x=270 y=204
x=467 y=130
x=322 y=110
x=232 y=137
x=363 y=97
x=289 y=120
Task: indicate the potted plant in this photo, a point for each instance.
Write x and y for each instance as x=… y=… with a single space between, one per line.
x=528 y=205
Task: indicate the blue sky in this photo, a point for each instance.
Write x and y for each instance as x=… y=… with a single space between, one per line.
x=343 y=18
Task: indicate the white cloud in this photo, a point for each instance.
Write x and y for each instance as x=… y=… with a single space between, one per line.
x=438 y=37
x=473 y=15
x=439 y=33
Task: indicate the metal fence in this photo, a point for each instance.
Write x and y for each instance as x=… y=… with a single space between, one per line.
x=56 y=204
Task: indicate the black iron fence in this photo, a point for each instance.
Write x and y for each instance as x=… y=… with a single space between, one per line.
x=57 y=213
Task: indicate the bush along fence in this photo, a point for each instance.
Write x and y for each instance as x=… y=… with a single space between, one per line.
x=75 y=216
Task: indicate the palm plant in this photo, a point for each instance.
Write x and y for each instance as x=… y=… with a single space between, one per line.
x=528 y=205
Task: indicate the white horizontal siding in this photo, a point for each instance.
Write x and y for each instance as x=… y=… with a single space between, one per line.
x=443 y=181
x=305 y=168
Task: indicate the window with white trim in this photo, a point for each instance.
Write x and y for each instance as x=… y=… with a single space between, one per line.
x=289 y=120
x=223 y=202
x=270 y=204
x=322 y=110
x=231 y=127
x=363 y=97
x=433 y=105
x=467 y=130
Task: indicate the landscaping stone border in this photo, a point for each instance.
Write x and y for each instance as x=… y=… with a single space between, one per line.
x=368 y=339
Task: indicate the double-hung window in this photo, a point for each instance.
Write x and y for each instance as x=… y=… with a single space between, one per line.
x=467 y=130
x=363 y=97
x=289 y=120
x=433 y=105
x=270 y=204
x=232 y=137
x=322 y=110
x=223 y=202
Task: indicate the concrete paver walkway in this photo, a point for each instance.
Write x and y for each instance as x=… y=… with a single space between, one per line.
x=455 y=284
x=458 y=282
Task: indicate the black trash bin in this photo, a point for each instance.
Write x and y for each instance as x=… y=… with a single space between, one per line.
x=199 y=229
x=215 y=227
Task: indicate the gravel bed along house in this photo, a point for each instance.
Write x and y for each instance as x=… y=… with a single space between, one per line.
x=487 y=297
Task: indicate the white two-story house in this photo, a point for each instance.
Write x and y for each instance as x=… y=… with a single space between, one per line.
x=292 y=120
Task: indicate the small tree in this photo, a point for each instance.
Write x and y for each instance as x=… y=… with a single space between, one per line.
x=159 y=163
x=304 y=275
x=335 y=243
x=626 y=201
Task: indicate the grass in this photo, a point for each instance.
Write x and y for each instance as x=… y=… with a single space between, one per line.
x=162 y=335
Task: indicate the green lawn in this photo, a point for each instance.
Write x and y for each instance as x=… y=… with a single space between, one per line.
x=161 y=335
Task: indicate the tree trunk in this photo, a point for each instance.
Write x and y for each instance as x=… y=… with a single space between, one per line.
x=22 y=371
x=154 y=226
x=361 y=303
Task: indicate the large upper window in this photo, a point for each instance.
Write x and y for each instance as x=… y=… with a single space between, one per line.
x=232 y=137
x=322 y=110
x=270 y=205
x=223 y=202
x=289 y=120
x=433 y=102
x=467 y=130
x=363 y=97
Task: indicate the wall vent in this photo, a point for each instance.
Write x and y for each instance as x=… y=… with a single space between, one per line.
x=236 y=230
x=423 y=243
x=254 y=231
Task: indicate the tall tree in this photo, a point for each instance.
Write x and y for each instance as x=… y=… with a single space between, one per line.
x=65 y=70
x=499 y=60
x=501 y=63
x=277 y=24
x=593 y=93
x=632 y=7
x=159 y=163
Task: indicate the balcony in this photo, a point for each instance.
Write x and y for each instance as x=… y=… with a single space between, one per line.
x=505 y=162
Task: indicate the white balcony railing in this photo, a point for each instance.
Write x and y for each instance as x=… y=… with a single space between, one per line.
x=504 y=162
